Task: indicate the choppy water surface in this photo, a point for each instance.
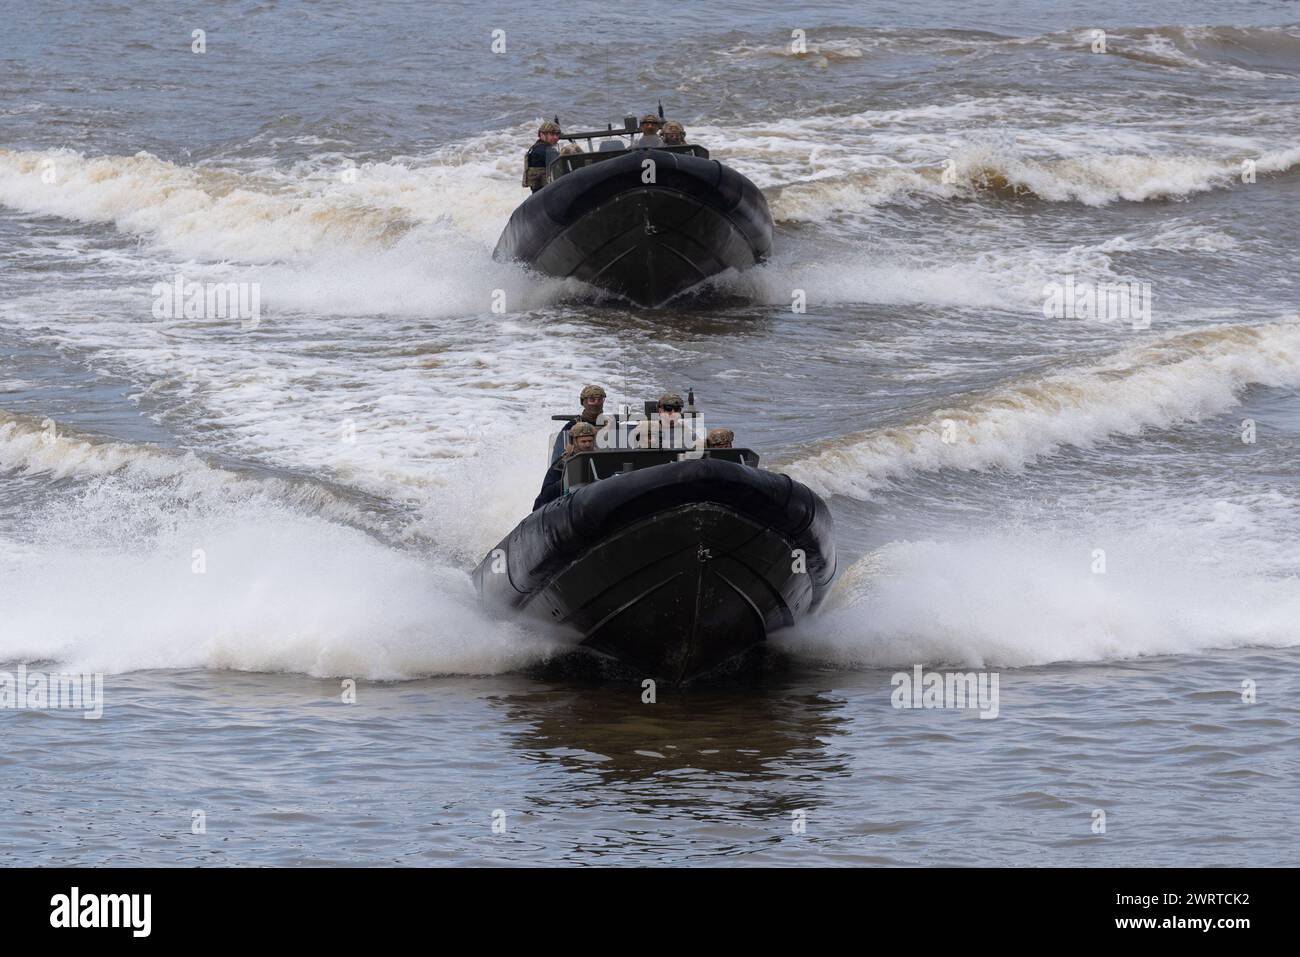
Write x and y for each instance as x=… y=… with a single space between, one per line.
x=930 y=171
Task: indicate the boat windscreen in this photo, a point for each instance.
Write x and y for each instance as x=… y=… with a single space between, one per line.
x=587 y=467
x=572 y=161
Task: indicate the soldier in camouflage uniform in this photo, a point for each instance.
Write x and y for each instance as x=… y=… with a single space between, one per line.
x=592 y=400
x=650 y=126
x=540 y=155
x=719 y=439
x=670 y=405
x=584 y=440
x=674 y=134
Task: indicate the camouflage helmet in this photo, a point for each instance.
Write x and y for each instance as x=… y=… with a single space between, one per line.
x=582 y=428
x=670 y=398
x=674 y=130
x=569 y=149
x=719 y=438
x=652 y=119
x=589 y=392
x=550 y=126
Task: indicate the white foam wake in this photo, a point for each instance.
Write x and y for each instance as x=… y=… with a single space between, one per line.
x=50 y=451
x=153 y=561
x=1033 y=597
x=1092 y=177
x=214 y=213
x=279 y=593
x=1179 y=378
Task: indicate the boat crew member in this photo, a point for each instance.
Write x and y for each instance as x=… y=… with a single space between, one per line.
x=670 y=406
x=719 y=439
x=650 y=126
x=584 y=440
x=670 y=431
x=584 y=437
x=540 y=155
x=674 y=134
x=592 y=400
x=569 y=149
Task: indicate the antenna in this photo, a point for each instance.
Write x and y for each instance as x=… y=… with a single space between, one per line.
x=661 y=109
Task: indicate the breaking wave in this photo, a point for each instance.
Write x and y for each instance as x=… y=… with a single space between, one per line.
x=1223 y=51
x=1024 y=598
x=1180 y=378
x=1096 y=179
x=163 y=561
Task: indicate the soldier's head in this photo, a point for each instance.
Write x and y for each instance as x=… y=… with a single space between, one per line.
x=568 y=149
x=549 y=132
x=592 y=400
x=719 y=439
x=584 y=436
x=674 y=133
x=670 y=405
x=650 y=124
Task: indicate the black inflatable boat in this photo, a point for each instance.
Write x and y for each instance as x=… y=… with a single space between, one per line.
x=646 y=224
x=674 y=563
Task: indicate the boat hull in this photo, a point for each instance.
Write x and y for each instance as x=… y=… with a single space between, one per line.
x=605 y=225
x=676 y=572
